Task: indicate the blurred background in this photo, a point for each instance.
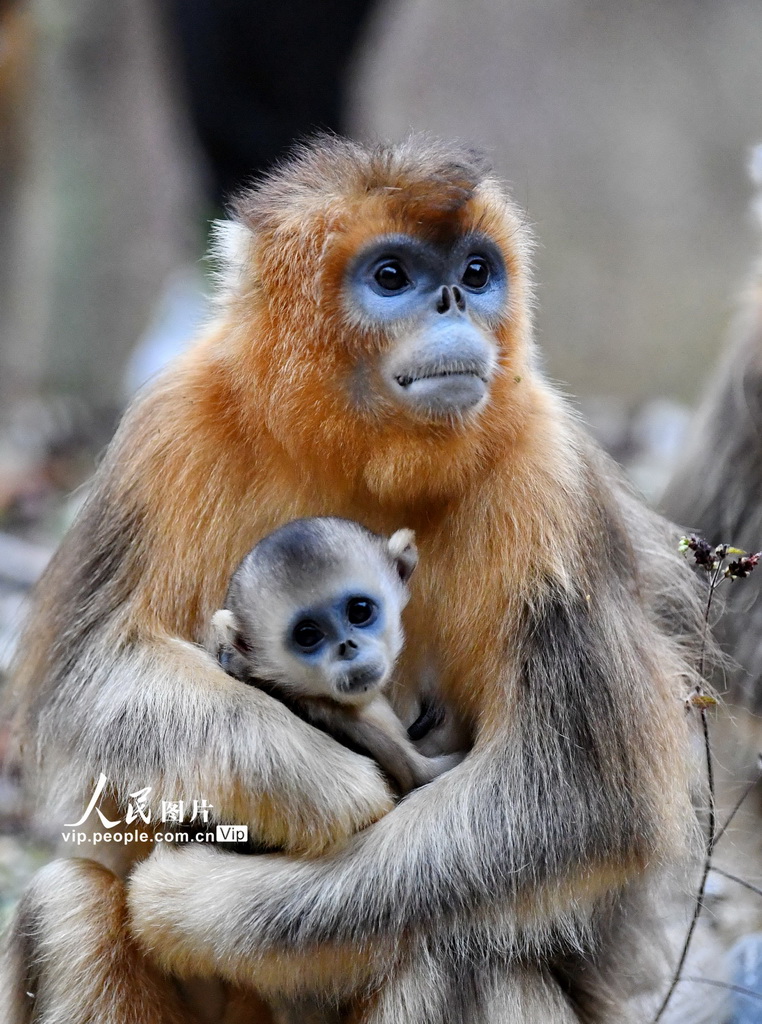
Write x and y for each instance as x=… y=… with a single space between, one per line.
x=624 y=129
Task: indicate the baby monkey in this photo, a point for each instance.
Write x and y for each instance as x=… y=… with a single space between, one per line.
x=313 y=617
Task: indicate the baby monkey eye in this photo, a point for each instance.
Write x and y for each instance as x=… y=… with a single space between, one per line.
x=307 y=634
x=360 y=610
x=390 y=275
x=477 y=273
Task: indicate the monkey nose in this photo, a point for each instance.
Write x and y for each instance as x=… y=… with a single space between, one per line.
x=347 y=650
x=450 y=297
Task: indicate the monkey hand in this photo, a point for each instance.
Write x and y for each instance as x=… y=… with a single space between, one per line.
x=155 y=893
x=172 y=919
x=299 y=789
x=322 y=797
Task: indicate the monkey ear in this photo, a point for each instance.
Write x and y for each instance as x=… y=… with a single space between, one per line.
x=226 y=631
x=224 y=628
x=404 y=553
x=231 y=252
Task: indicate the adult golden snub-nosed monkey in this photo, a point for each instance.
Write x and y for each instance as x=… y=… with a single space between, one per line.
x=372 y=358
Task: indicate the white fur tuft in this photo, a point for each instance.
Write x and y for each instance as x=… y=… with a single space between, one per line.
x=230 y=251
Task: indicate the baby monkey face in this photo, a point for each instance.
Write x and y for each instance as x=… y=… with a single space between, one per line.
x=335 y=633
x=315 y=608
x=345 y=645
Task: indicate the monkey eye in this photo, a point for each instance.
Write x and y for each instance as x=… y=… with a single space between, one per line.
x=360 y=610
x=390 y=276
x=307 y=634
x=477 y=273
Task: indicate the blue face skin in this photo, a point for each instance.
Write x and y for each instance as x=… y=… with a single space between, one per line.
x=443 y=303
x=339 y=634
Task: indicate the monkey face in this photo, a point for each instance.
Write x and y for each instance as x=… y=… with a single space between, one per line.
x=338 y=638
x=344 y=647
x=315 y=608
x=439 y=301
x=382 y=303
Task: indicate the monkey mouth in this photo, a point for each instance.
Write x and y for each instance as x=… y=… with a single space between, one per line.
x=361 y=680
x=405 y=380
x=442 y=392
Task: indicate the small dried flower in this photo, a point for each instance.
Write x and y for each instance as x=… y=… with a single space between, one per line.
x=742 y=567
x=703 y=552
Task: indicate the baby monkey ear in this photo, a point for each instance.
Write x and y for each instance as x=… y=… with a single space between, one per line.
x=226 y=633
x=404 y=553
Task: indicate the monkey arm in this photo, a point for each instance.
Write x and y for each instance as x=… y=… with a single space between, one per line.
x=161 y=713
x=376 y=730
x=444 y=852
x=567 y=798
